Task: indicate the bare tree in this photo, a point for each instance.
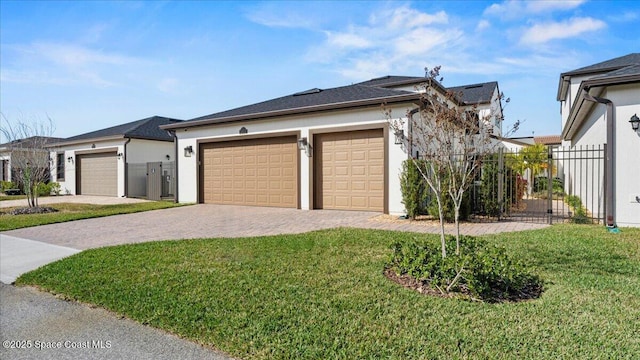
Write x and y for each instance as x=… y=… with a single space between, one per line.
x=28 y=144
x=452 y=138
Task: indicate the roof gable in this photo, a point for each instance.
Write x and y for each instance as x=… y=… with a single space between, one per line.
x=142 y=129
x=475 y=93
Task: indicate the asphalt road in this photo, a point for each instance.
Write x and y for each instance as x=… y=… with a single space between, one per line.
x=37 y=325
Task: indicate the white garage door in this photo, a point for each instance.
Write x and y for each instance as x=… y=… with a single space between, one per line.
x=97 y=174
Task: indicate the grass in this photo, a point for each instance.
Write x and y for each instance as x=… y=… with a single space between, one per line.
x=71 y=211
x=323 y=295
x=12 y=197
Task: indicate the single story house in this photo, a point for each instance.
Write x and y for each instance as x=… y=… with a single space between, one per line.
x=315 y=149
x=600 y=105
x=15 y=151
x=98 y=162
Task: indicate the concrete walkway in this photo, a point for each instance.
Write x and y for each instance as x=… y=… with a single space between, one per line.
x=80 y=199
x=18 y=256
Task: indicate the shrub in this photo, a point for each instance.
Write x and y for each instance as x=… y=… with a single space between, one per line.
x=448 y=206
x=580 y=215
x=482 y=271
x=8 y=185
x=55 y=188
x=541 y=183
x=44 y=189
x=413 y=187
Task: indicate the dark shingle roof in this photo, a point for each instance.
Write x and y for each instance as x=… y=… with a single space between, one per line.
x=32 y=141
x=391 y=80
x=475 y=93
x=310 y=98
x=141 y=129
x=609 y=65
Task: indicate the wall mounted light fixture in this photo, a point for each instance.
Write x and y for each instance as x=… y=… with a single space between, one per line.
x=188 y=151
x=70 y=159
x=635 y=122
x=303 y=144
x=399 y=136
x=168 y=157
x=119 y=155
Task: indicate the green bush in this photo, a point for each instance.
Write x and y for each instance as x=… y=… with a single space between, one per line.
x=580 y=215
x=8 y=185
x=45 y=189
x=448 y=206
x=541 y=183
x=486 y=272
x=414 y=188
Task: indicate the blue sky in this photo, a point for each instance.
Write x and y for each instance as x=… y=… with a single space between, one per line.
x=90 y=65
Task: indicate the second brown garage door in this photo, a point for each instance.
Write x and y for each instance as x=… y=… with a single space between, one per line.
x=257 y=172
x=97 y=174
x=349 y=170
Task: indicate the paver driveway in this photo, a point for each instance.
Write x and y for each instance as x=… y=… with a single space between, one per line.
x=203 y=220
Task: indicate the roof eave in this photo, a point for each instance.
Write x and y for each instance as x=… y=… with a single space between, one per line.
x=579 y=110
x=293 y=111
x=89 y=140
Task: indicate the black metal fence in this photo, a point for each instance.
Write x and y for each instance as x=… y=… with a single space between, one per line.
x=556 y=185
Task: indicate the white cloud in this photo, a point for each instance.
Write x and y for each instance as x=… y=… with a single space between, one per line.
x=512 y=9
x=407 y=18
x=271 y=15
x=482 y=25
x=347 y=40
x=544 y=32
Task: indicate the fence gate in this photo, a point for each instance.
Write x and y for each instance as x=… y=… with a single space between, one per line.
x=555 y=185
x=154 y=181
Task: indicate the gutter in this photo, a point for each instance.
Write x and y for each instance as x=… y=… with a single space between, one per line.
x=610 y=157
x=126 y=170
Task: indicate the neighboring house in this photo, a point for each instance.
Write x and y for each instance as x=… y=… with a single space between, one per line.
x=16 y=149
x=99 y=162
x=316 y=149
x=597 y=104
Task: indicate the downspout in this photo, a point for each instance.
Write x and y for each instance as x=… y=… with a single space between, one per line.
x=126 y=170
x=175 y=145
x=610 y=158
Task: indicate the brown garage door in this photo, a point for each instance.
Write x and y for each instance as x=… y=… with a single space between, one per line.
x=257 y=172
x=97 y=174
x=349 y=170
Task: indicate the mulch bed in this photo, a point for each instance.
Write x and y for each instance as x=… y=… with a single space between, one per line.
x=32 y=210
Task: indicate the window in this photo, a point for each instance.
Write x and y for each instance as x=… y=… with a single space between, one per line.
x=60 y=167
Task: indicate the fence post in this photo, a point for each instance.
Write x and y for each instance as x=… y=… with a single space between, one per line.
x=550 y=184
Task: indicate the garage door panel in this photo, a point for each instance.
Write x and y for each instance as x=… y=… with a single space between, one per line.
x=98 y=174
x=263 y=172
x=350 y=170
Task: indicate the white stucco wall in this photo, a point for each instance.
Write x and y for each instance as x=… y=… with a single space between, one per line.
x=627 y=166
x=68 y=186
x=306 y=125
x=144 y=151
x=592 y=132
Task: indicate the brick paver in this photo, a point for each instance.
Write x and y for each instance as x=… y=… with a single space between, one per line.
x=206 y=221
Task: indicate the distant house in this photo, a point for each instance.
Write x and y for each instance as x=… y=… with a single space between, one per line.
x=11 y=154
x=100 y=162
x=316 y=149
x=597 y=103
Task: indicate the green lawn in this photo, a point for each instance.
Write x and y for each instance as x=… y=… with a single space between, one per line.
x=322 y=295
x=70 y=212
